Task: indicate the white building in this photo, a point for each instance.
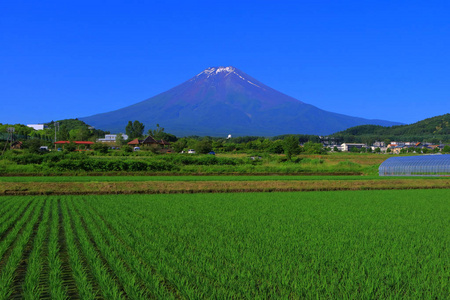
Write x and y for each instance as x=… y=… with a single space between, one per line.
x=37 y=126
x=111 y=138
x=348 y=146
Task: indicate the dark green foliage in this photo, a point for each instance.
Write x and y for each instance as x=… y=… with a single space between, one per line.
x=32 y=145
x=74 y=129
x=291 y=146
x=100 y=147
x=179 y=145
x=204 y=146
x=134 y=129
x=127 y=149
x=189 y=159
x=433 y=130
x=313 y=148
x=159 y=134
x=96 y=165
x=277 y=147
x=302 y=138
x=70 y=147
x=19 y=129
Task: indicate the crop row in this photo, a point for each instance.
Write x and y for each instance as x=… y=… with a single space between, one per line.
x=366 y=244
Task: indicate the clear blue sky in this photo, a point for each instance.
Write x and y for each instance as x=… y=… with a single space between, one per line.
x=373 y=59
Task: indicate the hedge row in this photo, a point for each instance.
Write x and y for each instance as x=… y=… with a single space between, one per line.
x=112 y=165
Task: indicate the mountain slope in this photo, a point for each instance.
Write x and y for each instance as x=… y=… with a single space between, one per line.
x=225 y=100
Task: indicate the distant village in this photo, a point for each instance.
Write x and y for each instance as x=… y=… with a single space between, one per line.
x=394 y=147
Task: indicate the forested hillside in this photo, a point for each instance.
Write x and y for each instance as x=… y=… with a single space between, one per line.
x=434 y=129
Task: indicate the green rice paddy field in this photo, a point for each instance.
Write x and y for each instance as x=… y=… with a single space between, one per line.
x=291 y=245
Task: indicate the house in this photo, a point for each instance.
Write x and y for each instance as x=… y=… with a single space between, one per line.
x=382 y=148
x=378 y=144
x=150 y=141
x=348 y=146
x=164 y=143
x=397 y=149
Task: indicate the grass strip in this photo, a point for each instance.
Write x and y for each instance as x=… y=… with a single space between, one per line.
x=165 y=187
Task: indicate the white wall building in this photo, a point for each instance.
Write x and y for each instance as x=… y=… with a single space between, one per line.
x=348 y=146
x=111 y=138
x=37 y=126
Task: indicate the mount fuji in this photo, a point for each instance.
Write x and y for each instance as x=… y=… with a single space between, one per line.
x=224 y=100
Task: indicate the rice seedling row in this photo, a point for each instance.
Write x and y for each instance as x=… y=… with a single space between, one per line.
x=10 y=265
x=120 y=242
x=364 y=244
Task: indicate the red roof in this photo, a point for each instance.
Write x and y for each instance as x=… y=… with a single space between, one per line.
x=134 y=142
x=76 y=142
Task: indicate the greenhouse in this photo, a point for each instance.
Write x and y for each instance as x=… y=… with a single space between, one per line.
x=423 y=165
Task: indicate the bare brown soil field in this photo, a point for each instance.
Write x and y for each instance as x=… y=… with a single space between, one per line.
x=167 y=187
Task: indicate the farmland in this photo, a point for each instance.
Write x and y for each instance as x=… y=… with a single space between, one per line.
x=347 y=244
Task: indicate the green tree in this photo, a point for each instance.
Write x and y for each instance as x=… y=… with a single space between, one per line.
x=446 y=149
x=63 y=134
x=354 y=149
x=120 y=140
x=179 y=145
x=134 y=129
x=32 y=145
x=290 y=146
x=276 y=147
x=158 y=133
x=203 y=146
x=313 y=148
x=138 y=128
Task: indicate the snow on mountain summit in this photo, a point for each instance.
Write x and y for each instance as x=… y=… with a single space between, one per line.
x=216 y=70
x=212 y=71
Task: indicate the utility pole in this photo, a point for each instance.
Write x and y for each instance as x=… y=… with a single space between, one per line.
x=56 y=124
x=10 y=130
